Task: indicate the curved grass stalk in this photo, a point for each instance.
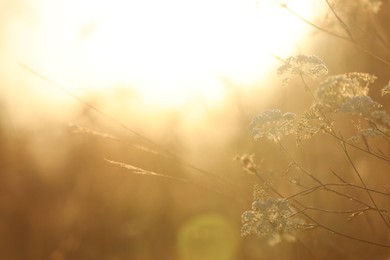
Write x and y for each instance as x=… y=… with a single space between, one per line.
x=167 y=153
x=140 y=171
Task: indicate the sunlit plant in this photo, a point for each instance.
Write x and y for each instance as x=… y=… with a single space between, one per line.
x=345 y=97
x=339 y=99
x=274 y=212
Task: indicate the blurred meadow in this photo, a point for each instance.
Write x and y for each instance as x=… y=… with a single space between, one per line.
x=123 y=125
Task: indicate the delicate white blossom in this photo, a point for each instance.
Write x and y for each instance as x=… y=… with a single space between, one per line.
x=335 y=90
x=313 y=121
x=269 y=216
x=366 y=133
x=359 y=105
x=370 y=132
x=272 y=124
x=302 y=65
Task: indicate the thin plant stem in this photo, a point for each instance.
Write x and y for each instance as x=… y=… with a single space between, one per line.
x=299 y=207
x=363 y=182
x=344 y=149
x=334 y=211
x=356 y=44
x=345 y=235
x=342 y=23
x=382 y=157
x=323 y=186
x=124 y=126
x=350 y=197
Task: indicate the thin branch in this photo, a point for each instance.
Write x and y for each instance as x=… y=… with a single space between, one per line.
x=343 y=234
x=350 y=197
x=342 y=23
x=338 y=176
x=352 y=211
x=343 y=147
x=296 y=204
x=382 y=157
x=323 y=186
x=362 y=48
x=314 y=25
x=371 y=32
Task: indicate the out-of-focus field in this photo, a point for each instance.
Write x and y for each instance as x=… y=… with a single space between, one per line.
x=61 y=199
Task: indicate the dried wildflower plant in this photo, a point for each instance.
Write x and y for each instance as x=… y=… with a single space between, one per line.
x=272 y=124
x=359 y=105
x=365 y=133
x=269 y=216
x=336 y=90
x=302 y=65
x=345 y=94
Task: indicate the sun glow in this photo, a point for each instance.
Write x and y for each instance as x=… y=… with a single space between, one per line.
x=168 y=52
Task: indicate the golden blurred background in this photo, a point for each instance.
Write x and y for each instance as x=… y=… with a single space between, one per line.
x=169 y=87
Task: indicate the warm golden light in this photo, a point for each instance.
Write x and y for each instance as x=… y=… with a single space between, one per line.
x=194 y=129
x=168 y=52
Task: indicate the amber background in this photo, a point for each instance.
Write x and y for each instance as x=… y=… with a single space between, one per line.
x=59 y=198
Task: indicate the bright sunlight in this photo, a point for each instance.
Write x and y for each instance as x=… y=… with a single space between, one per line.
x=167 y=52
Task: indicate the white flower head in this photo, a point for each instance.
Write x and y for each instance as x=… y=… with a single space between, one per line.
x=268 y=217
x=302 y=65
x=366 y=133
x=272 y=124
x=359 y=105
x=335 y=90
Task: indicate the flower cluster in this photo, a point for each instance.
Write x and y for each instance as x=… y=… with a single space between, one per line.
x=365 y=133
x=269 y=216
x=308 y=125
x=272 y=124
x=336 y=90
x=347 y=93
x=302 y=65
x=359 y=105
